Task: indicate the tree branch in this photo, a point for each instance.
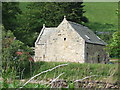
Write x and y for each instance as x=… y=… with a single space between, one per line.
x=85 y=78
x=42 y=73
x=56 y=78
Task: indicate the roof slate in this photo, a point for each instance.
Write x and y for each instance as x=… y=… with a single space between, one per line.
x=47 y=32
x=87 y=34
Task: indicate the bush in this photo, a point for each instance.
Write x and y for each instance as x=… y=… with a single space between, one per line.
x=11 y=62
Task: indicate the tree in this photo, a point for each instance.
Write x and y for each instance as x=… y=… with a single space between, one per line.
x=10 y=61
x=114 y=46
x=10 y=10
x=51 y=14
x=24 y=31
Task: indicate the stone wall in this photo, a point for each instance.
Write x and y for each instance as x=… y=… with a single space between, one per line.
x=63 y=46
x=95 y=53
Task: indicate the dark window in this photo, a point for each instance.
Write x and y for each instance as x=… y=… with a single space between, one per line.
x=98 y=58
x=64 y=39
x=87 y=56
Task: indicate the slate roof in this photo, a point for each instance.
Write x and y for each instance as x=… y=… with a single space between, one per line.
x=83 y=31
x=87 y=34
x=45 y=34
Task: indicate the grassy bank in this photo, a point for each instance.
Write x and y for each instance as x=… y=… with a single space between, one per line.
x=74 y=71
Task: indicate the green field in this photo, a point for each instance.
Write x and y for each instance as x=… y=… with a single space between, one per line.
x=102 y=12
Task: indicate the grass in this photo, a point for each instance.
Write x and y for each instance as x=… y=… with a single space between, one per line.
x=17 y=84
x=75 y=71
x=102 y=12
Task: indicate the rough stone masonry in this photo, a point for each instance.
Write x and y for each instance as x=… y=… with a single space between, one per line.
x=70 y=42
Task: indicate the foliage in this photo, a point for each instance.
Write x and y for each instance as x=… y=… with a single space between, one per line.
x=10 y=20
x=10 y=10
x=52 y=13
x=10 y=60
x=114 y=46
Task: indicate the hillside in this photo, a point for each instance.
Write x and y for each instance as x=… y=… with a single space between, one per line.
x=101 y=12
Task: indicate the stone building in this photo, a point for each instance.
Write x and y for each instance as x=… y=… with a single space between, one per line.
x=69 y=42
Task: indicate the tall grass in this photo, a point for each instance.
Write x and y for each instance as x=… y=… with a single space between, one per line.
x=75 y=71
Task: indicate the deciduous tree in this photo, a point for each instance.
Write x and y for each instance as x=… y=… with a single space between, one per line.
x=114 y=46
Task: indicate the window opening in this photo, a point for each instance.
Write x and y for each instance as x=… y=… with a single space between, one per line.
x=64 y=39
x=98 y=58
x=87 y=56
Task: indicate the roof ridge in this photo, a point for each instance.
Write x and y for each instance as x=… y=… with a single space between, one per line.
x=75 y=23
x=78 y=24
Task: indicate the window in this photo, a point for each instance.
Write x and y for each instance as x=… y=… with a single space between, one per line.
x=64 y=39
x=98 y=58
x=87 y=56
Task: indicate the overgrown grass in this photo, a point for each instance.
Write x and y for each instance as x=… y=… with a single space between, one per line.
x=76 y=71
x=73 y=71
x=18 y=84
